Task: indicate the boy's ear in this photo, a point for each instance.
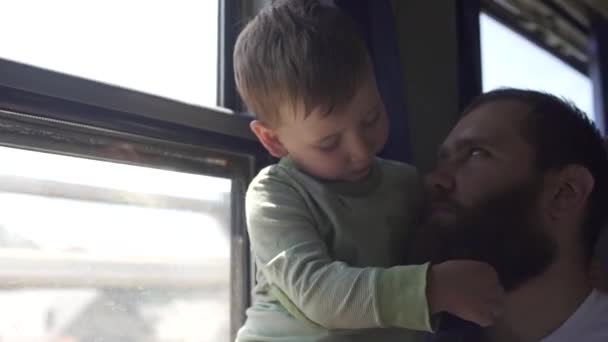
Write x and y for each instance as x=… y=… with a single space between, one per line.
x=268 y=138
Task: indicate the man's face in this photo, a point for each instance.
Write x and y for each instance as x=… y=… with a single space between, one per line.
x=485 y=195
x=342 y=144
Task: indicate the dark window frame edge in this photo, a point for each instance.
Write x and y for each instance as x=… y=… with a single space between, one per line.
x=37 y=81
x=503 y=17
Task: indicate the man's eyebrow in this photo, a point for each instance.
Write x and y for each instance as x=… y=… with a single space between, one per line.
x=474 y=141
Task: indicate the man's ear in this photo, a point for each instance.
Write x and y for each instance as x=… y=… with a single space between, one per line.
x=269 y=138
x=573 y=186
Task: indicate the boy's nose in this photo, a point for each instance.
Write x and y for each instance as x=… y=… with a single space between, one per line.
x=360 y=153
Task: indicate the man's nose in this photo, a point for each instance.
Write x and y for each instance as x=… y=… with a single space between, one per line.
x=440 y=179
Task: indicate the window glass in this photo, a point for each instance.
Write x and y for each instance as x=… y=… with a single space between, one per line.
x=99 y=251
x=509 y=59
x=165 y=48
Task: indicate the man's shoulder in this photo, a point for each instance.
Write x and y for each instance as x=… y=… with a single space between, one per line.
x=589 y=323
x=594 y=314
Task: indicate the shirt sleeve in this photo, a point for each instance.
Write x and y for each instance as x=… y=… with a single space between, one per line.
x=310 y=285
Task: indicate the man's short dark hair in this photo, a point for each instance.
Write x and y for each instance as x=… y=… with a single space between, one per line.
x=562 y=135
x=298 y=51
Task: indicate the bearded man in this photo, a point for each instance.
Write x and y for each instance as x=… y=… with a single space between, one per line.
x=521 y=183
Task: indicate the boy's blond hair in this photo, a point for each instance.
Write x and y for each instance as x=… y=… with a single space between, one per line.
x=298 y=52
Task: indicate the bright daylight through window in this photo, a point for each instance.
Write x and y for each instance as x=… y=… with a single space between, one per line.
x=165 y=48
x=100 y=251
x=508 y=59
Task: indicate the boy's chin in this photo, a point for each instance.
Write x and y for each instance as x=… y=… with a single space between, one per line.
x=358 y=175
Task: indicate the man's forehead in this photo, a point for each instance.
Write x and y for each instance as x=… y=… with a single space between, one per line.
x=491 y=122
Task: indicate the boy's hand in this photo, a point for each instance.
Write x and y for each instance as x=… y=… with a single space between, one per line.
x=467 y=289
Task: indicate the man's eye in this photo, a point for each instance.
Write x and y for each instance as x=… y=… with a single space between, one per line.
x=479 y=152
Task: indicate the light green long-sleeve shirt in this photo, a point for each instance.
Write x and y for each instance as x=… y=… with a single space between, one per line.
x=326 y=253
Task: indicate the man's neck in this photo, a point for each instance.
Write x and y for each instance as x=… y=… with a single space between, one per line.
x=543 y=304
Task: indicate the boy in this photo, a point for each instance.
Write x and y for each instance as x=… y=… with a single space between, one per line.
x=330 y=220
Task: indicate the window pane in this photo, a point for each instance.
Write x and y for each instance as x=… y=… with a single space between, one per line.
x=508 y=59
x=166 y=48
x=99 y=251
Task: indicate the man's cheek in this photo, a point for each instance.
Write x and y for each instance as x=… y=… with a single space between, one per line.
x=477 y=199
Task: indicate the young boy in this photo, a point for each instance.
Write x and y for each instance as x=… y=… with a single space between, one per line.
x=330 y=221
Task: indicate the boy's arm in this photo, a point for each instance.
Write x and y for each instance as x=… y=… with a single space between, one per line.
x=295 y=261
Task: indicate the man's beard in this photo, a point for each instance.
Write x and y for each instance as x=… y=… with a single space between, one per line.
x=503 y=231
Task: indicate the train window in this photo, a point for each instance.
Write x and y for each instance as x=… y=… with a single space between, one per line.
x=117 y=237
x=509 y=59
x=159 y=47
x=98 y=251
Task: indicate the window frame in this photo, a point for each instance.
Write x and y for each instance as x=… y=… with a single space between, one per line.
x=44 y=134
x=598 y=70
x=596 y=49
x=469 y=51
x=66 y=103
x=227 y=96
x=469 y=42
x=511 y=21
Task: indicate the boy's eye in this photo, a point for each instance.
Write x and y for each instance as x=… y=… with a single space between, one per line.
x=329 y=146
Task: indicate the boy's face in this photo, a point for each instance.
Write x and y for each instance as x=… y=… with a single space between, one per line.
x=340 y=145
